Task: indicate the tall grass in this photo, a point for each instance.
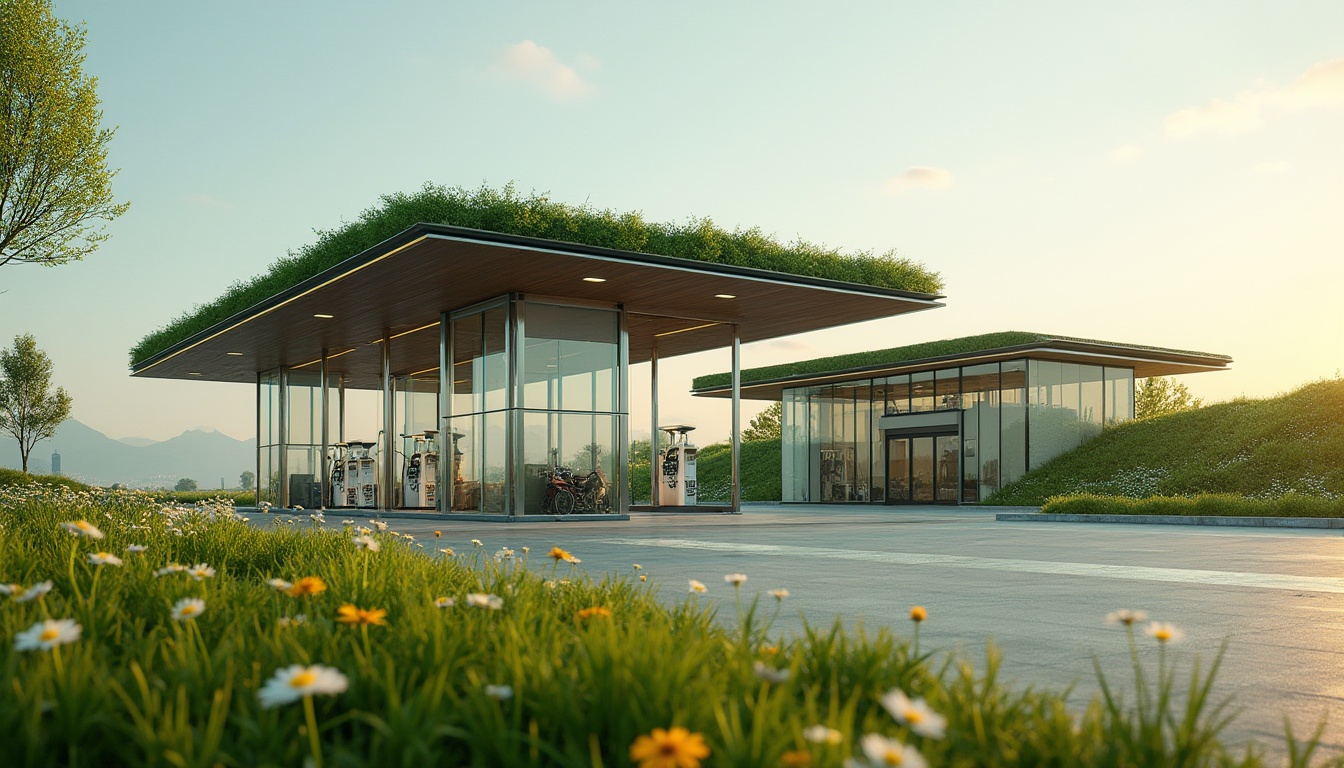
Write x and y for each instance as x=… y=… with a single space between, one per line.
x=140 y=688
x=1208 y=504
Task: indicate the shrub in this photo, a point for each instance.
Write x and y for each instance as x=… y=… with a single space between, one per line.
x=1292 y=505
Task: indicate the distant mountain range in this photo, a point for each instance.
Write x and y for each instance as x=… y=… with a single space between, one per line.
x=88 y=455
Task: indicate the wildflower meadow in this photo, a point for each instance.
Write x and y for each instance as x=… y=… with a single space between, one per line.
x=139 y=634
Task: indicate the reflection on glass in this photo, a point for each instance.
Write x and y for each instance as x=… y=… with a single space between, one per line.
x=464 y=434
x=897 y=394
x=1119 y=394
x=921 y=392
x=948 y=455
x=921 y=469
x=1013 y=426
x=947 y=389
x=898 y=470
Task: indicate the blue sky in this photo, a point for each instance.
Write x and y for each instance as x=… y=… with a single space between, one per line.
x=1167 y=174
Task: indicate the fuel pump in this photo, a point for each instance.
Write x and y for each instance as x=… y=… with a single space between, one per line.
x=337 y=457
x=420 y=478
x=361 y=476
x=677 y=471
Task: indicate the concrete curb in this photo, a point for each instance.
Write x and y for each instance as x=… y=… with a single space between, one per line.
x=1241 y=522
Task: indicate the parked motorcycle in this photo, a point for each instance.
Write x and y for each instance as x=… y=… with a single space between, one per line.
x=567 y=493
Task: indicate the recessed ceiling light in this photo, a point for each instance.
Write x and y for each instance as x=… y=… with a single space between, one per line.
x=594 y=279
x=324 y=317
x=193 y=373
x=724 y=296
x=234 y=354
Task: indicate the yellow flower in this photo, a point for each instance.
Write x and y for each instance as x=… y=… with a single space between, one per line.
x=697 y=587
x=796 y=758
x=557 y=554
x=596 y=612
x=308 y=585
x=918 y=614
x=1164 y=632
x=638 y=567
x=437 y=534
x=349 y=614
x=670 y=748
x=643 y=577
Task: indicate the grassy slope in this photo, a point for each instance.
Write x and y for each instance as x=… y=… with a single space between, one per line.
x=15 y=477
x=537 y=216
x=1268 y=448
x=760 y=472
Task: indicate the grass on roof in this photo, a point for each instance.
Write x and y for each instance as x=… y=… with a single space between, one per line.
x=536 y=215
x=929 y=349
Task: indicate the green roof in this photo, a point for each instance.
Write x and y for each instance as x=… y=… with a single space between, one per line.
x=536 y=215
x=965 y=345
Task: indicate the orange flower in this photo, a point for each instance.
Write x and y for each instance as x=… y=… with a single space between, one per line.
x=349 y=614
x=796 y=758
x=670 y=748
x=918 y=614
x=308 y=585
x=596 y=612
x=557 y=554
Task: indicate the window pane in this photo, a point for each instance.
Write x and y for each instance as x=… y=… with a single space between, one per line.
x=921 y=392
x=1012 y=425
x=494 y=488
x=495 y=375
x=947 y=389
x=897 y=394
x=1090 y=396
x=980 y=428
x=570 y=358
x=1119 y=395
x=467 y=371
x=465 y=434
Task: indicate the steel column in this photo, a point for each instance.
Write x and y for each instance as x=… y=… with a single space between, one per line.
x=445 y=439
x=388 y=448
x=326 y=434
x=737 y=419
x=621 y=465
x=653 y=425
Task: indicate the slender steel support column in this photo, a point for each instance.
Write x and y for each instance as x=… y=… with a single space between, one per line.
x=388 y=449
x=326 y=433
x=621 y=465
x=256 y=483
x=340 y=406
x=653 y=425
x=445 y=446
x=737 y=419
x=514 y=490
x=283 y=490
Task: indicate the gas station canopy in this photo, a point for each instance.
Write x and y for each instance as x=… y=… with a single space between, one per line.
x=401 y=286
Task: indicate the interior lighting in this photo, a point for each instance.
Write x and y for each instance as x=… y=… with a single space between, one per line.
x=594 y=279
x=684 y=330
x=234 y=354
x=724 y=296
x=324 y=317
x=193 y=373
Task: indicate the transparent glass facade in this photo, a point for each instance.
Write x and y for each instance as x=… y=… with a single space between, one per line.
x=289 y=435
x=537 y=413
x=949 y=435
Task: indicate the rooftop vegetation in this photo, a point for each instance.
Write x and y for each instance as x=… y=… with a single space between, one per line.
x=960 y=346
x=536 y=215
x=1269 y=448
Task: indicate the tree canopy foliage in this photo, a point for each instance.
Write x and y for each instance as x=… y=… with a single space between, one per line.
x=766 y=425
x=29 y=410
x=55 y=189
x=1160 y=395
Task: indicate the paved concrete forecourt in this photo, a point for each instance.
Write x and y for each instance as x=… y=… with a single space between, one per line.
x=1039 y=591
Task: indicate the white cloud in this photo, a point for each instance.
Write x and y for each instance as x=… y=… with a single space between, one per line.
x=918 y=177
x=1124 y=154
x=537 y=65
x=1321 y=86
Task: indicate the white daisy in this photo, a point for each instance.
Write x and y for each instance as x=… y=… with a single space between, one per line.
x=889 y=752
x=135 y=549
x=698 y=588
x=34 y=592
x=188 y=608
x=379 y=524
x=296 y=681
x=779 y=594
x=45 y=635
x=104 y=558
x=10 y=589
x=1126 y=617
x=83 y=528
x=820 y=734
x=295 y=620
x=914 y=713
x=499 y=692
x=444 y=602
x=736 y=579
x=769 y=674
x=366 y=542
x=169 y=569
x=201 y=571
x=479 y=600
x=279 y=585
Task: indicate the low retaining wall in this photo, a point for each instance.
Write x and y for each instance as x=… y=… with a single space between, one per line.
x=1242 y=522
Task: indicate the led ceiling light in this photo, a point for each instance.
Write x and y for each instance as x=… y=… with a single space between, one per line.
x=324 y=317
x=724 y=296
x=594 y=279
x=234 y=354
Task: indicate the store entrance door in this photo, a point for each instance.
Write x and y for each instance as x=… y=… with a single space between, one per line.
x=923 y=468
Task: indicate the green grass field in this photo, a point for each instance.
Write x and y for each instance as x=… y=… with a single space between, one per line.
x=566 y=668
x=759 y=464
x=1258 y=449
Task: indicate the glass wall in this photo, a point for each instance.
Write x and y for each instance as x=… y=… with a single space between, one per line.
x=838 y=442
x=268 y=437
x=552 y=443
x=289 y=435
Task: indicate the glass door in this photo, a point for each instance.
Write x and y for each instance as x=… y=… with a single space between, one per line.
x=898 y=470
x=923 y=469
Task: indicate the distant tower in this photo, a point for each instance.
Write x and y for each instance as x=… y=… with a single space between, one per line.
x=56 y=463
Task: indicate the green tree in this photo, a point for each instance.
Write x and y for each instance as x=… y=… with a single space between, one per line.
x=29 y=410
x=1160 y=395
x=55 y=189
x=247 y=479
x=185 y=484
x=766 y=425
